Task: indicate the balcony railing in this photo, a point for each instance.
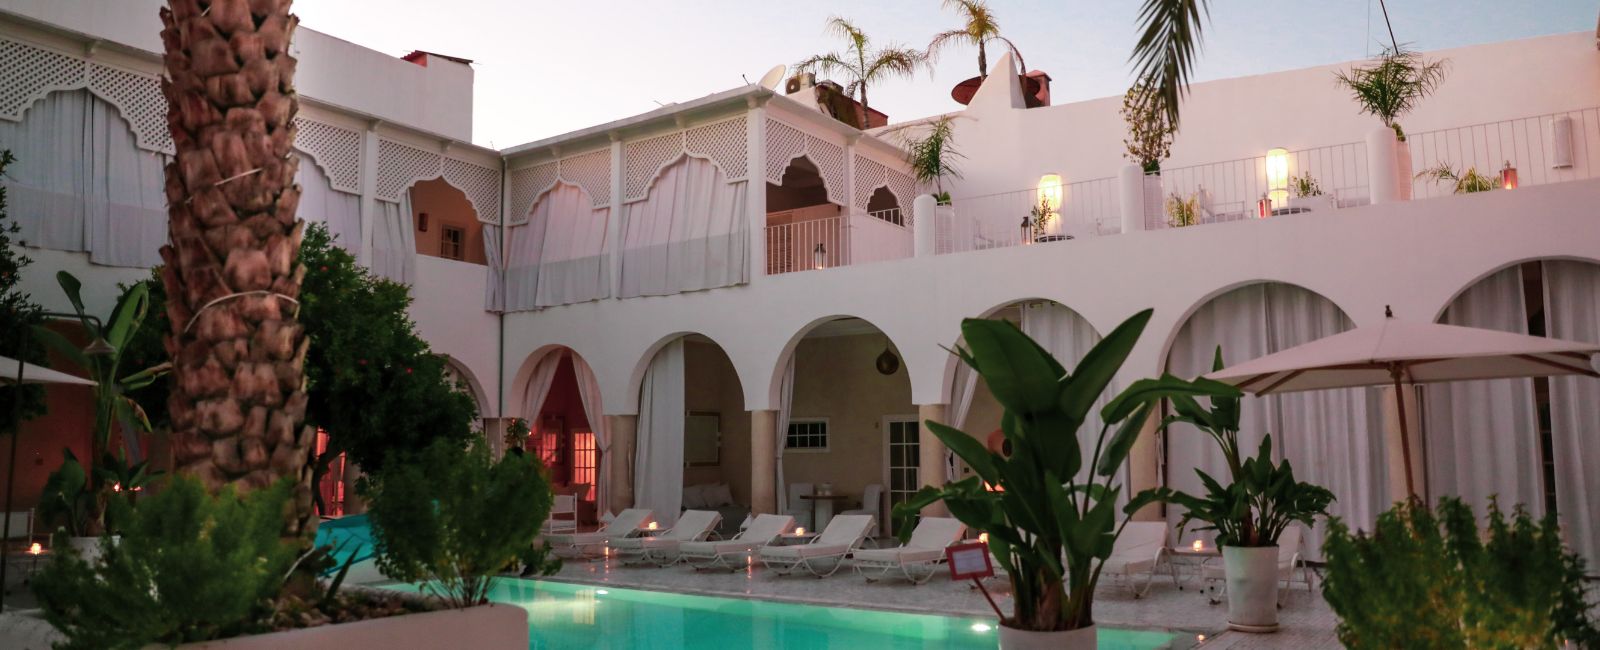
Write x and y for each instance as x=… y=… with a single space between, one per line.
x=1085 y=209
x=1232 y=190
x=860 y=238
x=1542 y=149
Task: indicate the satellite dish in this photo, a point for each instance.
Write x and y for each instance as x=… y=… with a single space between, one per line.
x=773 y=77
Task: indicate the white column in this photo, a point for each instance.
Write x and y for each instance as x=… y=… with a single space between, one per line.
x=1130 y=181
x=756 y=194
x=763 y=462
x=849 y=198
x=624 y=429
x=930 y=455
x=614 y=221
x=924 y=221
x=369 y=190
x=1383 y=166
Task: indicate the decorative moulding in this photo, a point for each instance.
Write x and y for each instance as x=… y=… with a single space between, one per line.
x=401 y=165
x=589 y=171
x=785 y=143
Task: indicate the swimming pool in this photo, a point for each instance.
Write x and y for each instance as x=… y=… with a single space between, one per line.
x=564 y=616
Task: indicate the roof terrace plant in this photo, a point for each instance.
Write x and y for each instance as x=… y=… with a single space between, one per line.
x=978 y=28
x=1150 y=130
x=1393 y=85
x=860 y=63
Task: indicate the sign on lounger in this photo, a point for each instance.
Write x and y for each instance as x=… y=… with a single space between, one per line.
x=971 y=562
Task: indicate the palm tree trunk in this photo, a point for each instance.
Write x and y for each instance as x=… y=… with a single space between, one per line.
x=238 y=397
x=983 y=61
x=864 y=114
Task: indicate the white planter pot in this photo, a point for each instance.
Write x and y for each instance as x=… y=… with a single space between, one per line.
x=1403 y=176
x=1084 y=638
x=1252 y=588
x=1155 y=204
x=88 y=548
x=1323 y=202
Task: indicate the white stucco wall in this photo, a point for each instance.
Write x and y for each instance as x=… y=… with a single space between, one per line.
x=448 y=310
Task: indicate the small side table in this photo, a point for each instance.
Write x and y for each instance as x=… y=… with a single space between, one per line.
x=1187 y=560
x=793 y=539
x=822 y=508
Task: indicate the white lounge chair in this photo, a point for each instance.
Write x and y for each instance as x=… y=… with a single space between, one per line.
x=662 y=549
x=871 y=504
x=828 y=550
x=919 y=559
x=576 y=545
x=563 y=515
x=1289 y=559
x=1138 y=551
x=761 y=532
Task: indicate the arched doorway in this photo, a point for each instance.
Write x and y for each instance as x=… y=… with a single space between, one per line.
x=884 y=205
x=446 y=224
x=692 y=444
x=565 y=428
x=1332 y=438
x=804 y=229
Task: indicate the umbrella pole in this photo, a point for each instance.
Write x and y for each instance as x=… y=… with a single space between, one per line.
x=11 y=460
x=1405 y=433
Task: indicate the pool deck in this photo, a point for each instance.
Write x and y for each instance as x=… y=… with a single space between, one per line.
x=1306 y=620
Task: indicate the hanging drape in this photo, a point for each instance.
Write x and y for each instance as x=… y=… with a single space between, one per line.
x=494 y=288
x=688 y=234
x=80 y=183
x=521 y=274
x=1572 y=312
x=658 y=461
x=1332 y=438
x=785 y=410
x=394 y=241
x=593 y=411
x=1482 y=436
x=544 y=375
x=962 y=387
x=320 y=203
x=559 y=257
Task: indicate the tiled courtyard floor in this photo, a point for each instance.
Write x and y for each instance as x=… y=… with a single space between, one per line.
x=1306 y=620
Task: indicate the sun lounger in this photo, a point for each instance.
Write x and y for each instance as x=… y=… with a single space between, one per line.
x=919 y=559
x=761 y=532
x=827 y=551
x=1138 y=551
x=662 y=549
x=625 y=525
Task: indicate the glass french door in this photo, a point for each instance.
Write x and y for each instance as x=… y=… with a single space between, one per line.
x=904 y=460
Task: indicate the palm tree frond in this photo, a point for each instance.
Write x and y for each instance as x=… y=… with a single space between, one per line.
x=1168 y=45
x=943 y=40
x=824 y=63
x=1014 y=51
x=843 y=28
x=893 y=62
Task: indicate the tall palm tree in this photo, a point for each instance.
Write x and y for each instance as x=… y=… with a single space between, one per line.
x=861 y=64
x=978 y=29
x=232 y=276
x=1168 y=45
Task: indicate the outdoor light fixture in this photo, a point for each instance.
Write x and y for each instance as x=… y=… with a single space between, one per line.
x=799 y=530
x=1025 y=231
x=1050 y=191
x=887 y=362
x=1278 y=175
x=1508 y=176
x=819 y=256
x=1199 y=546
x=35 y=549
x=1264 y=207
x=983 y=538
x=652 y=526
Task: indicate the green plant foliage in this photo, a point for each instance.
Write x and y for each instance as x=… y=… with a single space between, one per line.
x=1183 y=212
x=17 y=314
x=452 y=518
x=933 y=155
x=1393 y=85
x=1150 y=128
x=83 y=502
x=1169 y=44
x=1039 y=217
x=1305 y=185
x=1253 y=510
x=1465 y=182
x=1431 y=580
x=374 y=384
x=189 y=567
x=978 y=28
x=1053 y=519
x=860 y=63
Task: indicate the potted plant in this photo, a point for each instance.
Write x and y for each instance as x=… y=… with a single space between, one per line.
x=1249 y=513
x=932 y=156
x=516 y=434
x=1037 y=222
x=1389 y=88
x=1466 y=182
x=1306 y=194
x=1426 y=578
x=860 y=64
x=1149 y=139
x=1183 y=212
x=1050 y=513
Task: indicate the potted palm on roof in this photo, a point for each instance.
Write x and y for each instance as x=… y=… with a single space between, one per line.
x=1050 y=513
x=1389 y=88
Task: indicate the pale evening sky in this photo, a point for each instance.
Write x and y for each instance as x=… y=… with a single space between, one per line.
x=545 y=68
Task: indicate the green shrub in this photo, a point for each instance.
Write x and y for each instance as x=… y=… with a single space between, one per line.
x=1431 y=580
x=452 y=518
x=189 y=567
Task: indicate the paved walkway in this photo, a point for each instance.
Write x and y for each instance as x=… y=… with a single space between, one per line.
x=1306 y=620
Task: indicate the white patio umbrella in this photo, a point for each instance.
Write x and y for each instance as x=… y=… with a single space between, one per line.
x=1398 y=352
x=34 y=374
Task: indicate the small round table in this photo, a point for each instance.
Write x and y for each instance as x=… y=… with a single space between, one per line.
x=1180 y=558
x=822 y=508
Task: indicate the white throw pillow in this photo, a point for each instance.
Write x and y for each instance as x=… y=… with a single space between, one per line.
x=694 y=497
x=718 y=495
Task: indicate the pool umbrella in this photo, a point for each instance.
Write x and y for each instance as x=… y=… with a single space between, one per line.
x=1396 y=352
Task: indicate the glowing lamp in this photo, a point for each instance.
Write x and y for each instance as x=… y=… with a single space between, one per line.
x=1278 y=175
x=1050 y=191
x=1508 y=176
x=819 y=256
x=1199 y=546
x=983 y=538
x=799 y=530
x=651 y=526
x=35 y=549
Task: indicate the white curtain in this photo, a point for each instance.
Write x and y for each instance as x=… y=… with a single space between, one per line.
x=589 y=394
x=962 y=387
x=544 y=374
x=1572 y=312
x=1332 y=438
x=688 y=234
x=81 y=183
x=394 y=241
x=658 y=463
x=521 y=283
x=320 y=203
x=565 y=240
x=1482 y=437
x=785 y=410
x=494 y=289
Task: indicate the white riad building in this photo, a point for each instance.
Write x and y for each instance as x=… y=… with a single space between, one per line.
x=732 y=301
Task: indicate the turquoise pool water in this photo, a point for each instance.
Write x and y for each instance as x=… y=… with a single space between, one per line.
x=564 y=616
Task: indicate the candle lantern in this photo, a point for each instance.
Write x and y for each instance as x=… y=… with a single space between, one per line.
x=1508 y=176
x=1264 y=207
x=819 y=256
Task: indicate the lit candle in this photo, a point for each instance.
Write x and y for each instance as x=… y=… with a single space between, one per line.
x=652 y=526
x=983 y=538
x=1199 y=545
x=35 y=549
x=799 y=530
